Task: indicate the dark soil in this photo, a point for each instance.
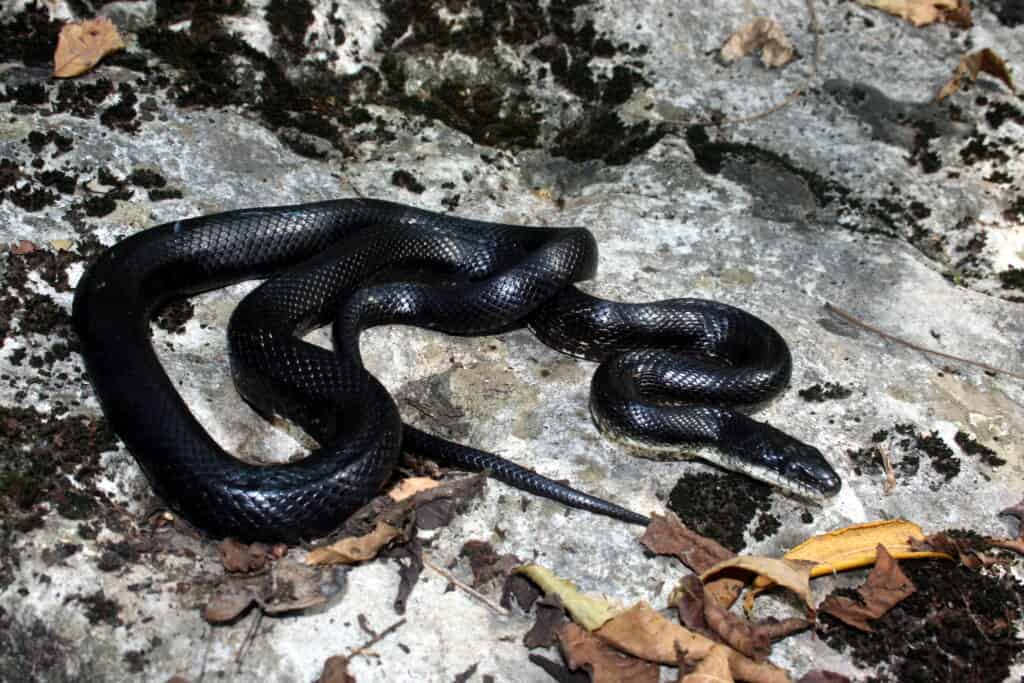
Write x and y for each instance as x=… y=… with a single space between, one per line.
x=723 y=506
x=906 y=445
x=958 y=626
x=818 y=393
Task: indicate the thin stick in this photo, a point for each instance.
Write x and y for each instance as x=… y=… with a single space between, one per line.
x=788 y=99
x=848 y=317
x=362 y=649
x=471 y=591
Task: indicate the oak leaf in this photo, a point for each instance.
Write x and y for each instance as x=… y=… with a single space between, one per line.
x=982 y=61
x=924 y=12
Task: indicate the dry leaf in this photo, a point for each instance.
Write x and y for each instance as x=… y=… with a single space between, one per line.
x=288 y=586
x=336 y=671
x=712 y=669
x=82 y=45
x=952 y=547
x=22 y=247
x=792 y=574
x=667 y=535
x=854 y=546
x=587 y=610
x=924 y=12
x=982 y=61
x=354 y=549
x=62 y=245
x=411 y=486
x=760 y=34
x=603 y=663
x=1016 y=511
x=1014 y=544
x=645 y=633
x=239 y=557
x=886 y=586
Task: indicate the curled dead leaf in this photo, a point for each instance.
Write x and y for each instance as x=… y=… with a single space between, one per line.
x=583 y=650
x=886 y=586
x=81 y=45
x=587 y=610
x=982 y=61
x=667 y=535
x=643 y=632
x=411 y=486
x=712 y=669
x=792 y=574
x=354 y=549
x=924 y=12
x=762 y=34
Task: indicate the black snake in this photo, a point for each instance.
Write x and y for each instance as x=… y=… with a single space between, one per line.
x=669 y=369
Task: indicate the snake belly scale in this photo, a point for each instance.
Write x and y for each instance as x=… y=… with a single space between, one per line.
x=670 y=371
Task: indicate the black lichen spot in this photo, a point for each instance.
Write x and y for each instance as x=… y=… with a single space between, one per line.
x=28 y=94
x=31 y=198
x=978 y=148
x=65 y=183
x=722 y=506
x=159 y=195
x=143 y=177
x=29 y=37
x=289 y=20
x=174 y=316
x=99 y=609
x=970 y=446
x=99 y=206
x=407 y=181
x=1013 y=278
x=122 y=116
x=818 y=393
x=82 y=99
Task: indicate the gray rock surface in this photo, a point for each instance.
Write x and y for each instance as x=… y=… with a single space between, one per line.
x=861 y=193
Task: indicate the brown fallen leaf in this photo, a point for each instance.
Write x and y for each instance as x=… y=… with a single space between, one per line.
x=886 y=586
x=643 y=632
x=240 y=557
x=336 y=671
x=712 y=669
x=485 y=562
x=354 y=549
x=792 y=574
x=582 y=650
x=550 y=619
x=961 y=548
x=411 y=486
x=1014 y=544
x=81 y=45
x=288 y=586
x=700 y=612
x=924 y=12
x=982 y=61
x=762 y=34
x=22 y=247
x=667 y=535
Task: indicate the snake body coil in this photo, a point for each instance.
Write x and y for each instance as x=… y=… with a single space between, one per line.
x=669 y=368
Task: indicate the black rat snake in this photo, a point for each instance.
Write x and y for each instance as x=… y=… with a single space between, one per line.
x=668 y=370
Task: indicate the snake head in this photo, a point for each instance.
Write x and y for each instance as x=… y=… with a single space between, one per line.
x=778 y=459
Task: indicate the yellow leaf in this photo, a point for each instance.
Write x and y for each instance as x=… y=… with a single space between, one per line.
x=586 y=610
x=355 y=548
x=81 y=46
x=61 y=245
x=856 y=546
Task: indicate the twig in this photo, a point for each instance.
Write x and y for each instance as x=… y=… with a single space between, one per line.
x=362 y=649
x=788 y=99
x=468 y=589
x=848 y=317
x=250 y=636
